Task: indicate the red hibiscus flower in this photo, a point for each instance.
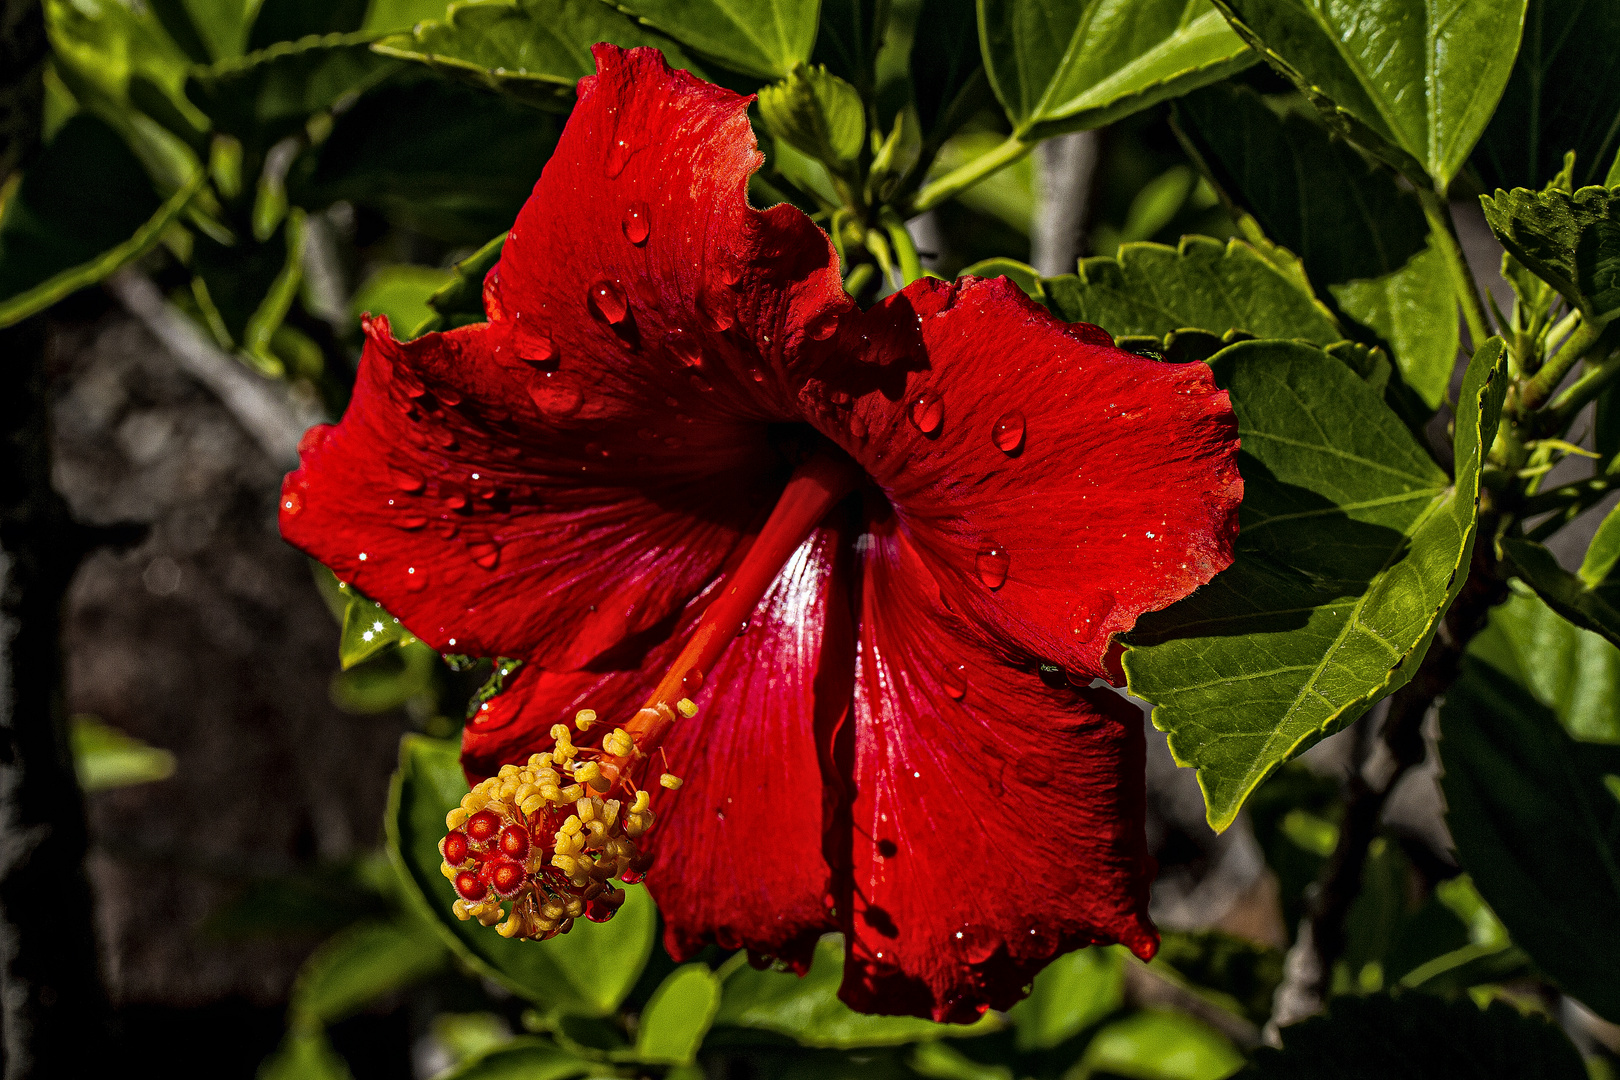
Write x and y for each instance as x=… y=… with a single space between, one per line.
x=822 y=563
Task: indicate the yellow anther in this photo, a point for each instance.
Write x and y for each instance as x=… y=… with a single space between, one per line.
x=610 y=812
x=587 y=771
x=618 y=743
x=448 y=871
x=571 y=826
x=490 y=915
x=601 y=785
x=566 y=863
x=535 y=762
x=511 y=926
x=574 y=908
x=524 y=793
x=551 y=793
x=636 y=824
x=461 y=910
x=507 y=772
x=455 y=819
x=584 y=719
x=643 y=801
x=495 y=806
x=532 y=804
x=687 y=706
x=560 y=732
x=671 y=781
x=571 y=792
x=474 y=801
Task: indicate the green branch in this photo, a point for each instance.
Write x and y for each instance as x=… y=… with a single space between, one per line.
x=960 y=179
x=1462 y=278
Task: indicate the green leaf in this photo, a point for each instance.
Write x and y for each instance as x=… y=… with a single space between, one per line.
x=1023 y=275
x=1573 y=672
x=807 y=1009
x=461 y=300
x=305 y=1055
x=1418 y=1035
x=401 y=292
x=278 y=21
x=535 y=50
x=522 y=1059
x=1203 y=284
x=1415 y=83
x=117 y=48
x=1352 y=544
x=1155 y=1045
x=361 y=964
x=388 y=682
x=368 y=630
x=1537 y=827
x=1059 y=65
x=60 y=234
x=678 y=1016
x=588 y=970
x=1359 y=233
x=1564 y=94
x=817 y=113
x=105 y=757
x=1569 y=240
x=385 y=16
x=947 y=70
x=1070 y=994
x=763 y=38
x=1591 y=608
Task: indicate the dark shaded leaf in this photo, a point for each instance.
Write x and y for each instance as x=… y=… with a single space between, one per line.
x=1569 y=240
x=361 y=964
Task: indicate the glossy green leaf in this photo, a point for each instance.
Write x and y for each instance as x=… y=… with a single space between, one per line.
x=1570 y=240
x=1158 y=1045
x=1564 y=94
x=1203 y=284
x=117 y=46
x=1069 y=65
x=763 y=38
x=1573 y=672
x=1417 y=1035
x=305 y=1055
x=362 y=964
x=678 y=1016
x=1538 y=827
x=1592 y=608
x=1416 y=83
x=807 y=1009
x=818 y=113
x=388 y=682
x=588 y=970
x=400 y=292
x=535 y=50
x=385 y=16
x=522 y=1059
x=1352 y=544
x=1361 y=236
x=1070 y=994
x=367 y=631
x=60 y=233
x=104 y=757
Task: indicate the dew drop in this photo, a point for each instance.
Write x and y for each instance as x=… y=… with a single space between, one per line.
x=292 y=502
x=991 y=562
x=955 y=680
x=1085 y=622
x=405 y=481
x=692 y=681
x=485 y=554
x=978 y=942
x=619 y=154
x=411 y=522
x=635 y=223
x=822 y=326
x=715 y=314
x=556 y=394
x=926 y=411
x=447 y=395
x=415 y=580
x=454 y=498
x=409 y=383
x=1008 y=434
x=606 y=297
x=756 y=374
x=699 y=382
x=683 y=348
x=537 y=348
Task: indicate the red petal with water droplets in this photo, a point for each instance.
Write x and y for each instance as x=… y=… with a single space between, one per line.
x=1121 y=496
x=612 y=481
x=998 y=822
x=738 y=849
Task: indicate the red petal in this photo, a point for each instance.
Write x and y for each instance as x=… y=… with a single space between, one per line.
x=646 y=196
x=1056 y=486
x=997 y=823
x=486 y=531
x=739 y=847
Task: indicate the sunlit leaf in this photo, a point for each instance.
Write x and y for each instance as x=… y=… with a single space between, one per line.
x=1571 y=240
x=678 y=1016
x=763 y=38
x=105 y=757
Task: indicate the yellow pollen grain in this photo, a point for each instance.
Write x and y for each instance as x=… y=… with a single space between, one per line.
x=618 y=743
x=643 y=801
x=687 y=706
x=571 y=826
x=587 y=771
x=571 y=792
x=566 y=863
x=584 y=719
x=507 y=772
x=455 y=819
x=670 y=781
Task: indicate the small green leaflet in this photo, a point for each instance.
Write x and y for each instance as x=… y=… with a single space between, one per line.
x=1352 y=545
x=367 y=631
x=1570 y=240
x=762 y=38
x=106 y=758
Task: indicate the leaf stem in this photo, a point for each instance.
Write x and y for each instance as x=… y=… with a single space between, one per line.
x=960 y=179
x=905 y=251
x=1577 y=496
x=1582 y=343
x=1462 y=278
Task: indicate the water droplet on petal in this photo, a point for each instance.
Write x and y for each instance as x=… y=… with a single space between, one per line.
x=692 y=681
x=635 y=223
x=556 y=394
x=606 y=297
x=926 y=411
x=1086 y=621
x=822 y=326
x=977 y=941
x=404 y=480
x=991 y=562
x=454 y=498
x=619 y=154
x=292 y=502
x=448 y=395
x=415 y=579
x=955 y=680
x=1008 y=434
x=411 y=522
x=537 y=347
x=715 y=313
x=409 y=382
x=683 y=348
x=485 y=554
x=756 y=374
x=699 y=382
